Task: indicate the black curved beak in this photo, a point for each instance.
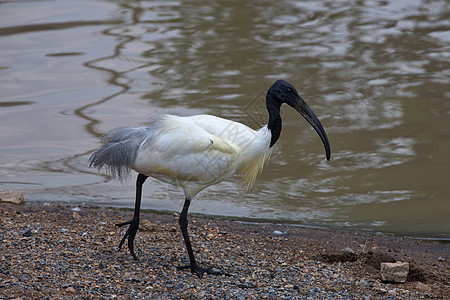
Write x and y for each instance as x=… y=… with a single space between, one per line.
x=300 y=105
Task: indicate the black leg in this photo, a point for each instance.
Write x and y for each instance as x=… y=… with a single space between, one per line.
x=192 y=262
x=134 y=223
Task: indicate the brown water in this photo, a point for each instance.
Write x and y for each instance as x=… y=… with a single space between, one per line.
x=377 y=74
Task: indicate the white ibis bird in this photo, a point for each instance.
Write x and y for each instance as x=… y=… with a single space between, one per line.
x=196 y=152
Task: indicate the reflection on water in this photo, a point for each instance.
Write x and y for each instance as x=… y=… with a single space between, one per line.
x=376 y=73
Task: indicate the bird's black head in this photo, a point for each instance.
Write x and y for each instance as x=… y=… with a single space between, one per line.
x=283 y=92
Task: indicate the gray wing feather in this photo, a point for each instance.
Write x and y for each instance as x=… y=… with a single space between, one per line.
x=121 y=146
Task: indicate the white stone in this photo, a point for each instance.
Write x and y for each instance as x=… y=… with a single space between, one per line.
x=394 y=272
x=11 y=197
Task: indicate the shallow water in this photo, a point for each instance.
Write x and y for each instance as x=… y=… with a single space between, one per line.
x=375 y=72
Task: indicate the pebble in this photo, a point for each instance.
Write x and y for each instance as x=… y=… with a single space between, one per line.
x=422 y=286
x=349 y=250
x=26 y=233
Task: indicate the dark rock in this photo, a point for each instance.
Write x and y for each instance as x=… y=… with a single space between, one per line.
x=26 y=233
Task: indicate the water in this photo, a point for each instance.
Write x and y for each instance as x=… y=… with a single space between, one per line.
x=375 y=72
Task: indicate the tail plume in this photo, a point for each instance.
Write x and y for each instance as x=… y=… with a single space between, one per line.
x=120 y=149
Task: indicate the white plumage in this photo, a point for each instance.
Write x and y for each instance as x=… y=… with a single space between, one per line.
x=191 y=152
x=199 y=151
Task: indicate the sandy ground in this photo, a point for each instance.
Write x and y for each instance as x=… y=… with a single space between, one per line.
x=53 y=251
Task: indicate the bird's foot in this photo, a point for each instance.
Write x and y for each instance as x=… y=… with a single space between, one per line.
x=130 y=234
x=199 y=271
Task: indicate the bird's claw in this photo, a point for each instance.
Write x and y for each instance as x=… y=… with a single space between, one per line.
x=199 y=271
x=130 y=234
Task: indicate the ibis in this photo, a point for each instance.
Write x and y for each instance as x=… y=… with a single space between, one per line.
x=196 y=152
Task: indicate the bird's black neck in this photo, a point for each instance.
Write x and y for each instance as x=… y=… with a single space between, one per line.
x=274 y=123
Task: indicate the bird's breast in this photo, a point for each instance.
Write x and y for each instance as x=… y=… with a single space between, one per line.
x=254 y=156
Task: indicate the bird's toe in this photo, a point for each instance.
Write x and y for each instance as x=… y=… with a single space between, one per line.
x=130 y=234
x=199 y=271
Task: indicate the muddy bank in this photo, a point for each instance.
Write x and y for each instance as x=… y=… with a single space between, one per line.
x=61 y=251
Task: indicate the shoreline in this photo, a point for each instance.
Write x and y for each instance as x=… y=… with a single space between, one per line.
x=433 y=237
x=63 y=251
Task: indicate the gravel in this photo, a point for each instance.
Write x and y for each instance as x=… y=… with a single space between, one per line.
x=53 y=251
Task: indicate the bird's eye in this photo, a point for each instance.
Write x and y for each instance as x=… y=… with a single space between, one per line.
x=289 y=90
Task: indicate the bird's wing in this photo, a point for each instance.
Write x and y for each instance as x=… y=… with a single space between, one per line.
x=186 y=152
